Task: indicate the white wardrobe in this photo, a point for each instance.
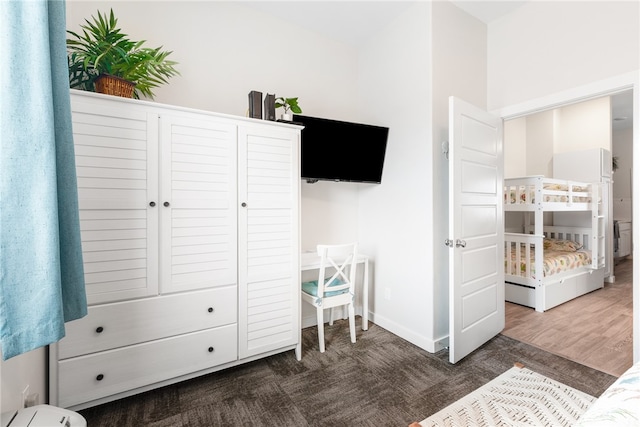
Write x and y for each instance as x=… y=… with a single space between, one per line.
x=190 y=235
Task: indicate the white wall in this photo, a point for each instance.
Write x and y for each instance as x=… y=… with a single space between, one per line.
x=583 y=126
x=545 y=47
x=395 y=218
x=515 y=147
x=403 y=221
x=539 y=145
x=225 y=50
x=576 y=127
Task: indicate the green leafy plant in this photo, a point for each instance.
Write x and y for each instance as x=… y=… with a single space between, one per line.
x=102 y=48
x=79 y=76
x=288 y=104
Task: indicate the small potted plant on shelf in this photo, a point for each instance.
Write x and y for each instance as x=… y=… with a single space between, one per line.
x=105 y=58
x=288 y=104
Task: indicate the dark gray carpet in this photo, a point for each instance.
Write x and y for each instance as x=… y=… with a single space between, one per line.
x=382 y=380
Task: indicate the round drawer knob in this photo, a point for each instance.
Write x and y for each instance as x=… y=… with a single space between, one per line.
x=152 y=204
x=210 y=309
x=244 y=205
x=99 y=377
x=166 y=204
x=210 y=349
x=99 y=329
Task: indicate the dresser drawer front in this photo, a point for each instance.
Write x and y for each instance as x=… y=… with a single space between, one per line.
x=121 y=324
x=99 y=375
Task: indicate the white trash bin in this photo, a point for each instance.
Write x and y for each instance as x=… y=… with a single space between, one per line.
x=43 y=416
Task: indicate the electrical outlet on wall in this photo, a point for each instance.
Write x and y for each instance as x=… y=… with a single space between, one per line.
x=25 y=394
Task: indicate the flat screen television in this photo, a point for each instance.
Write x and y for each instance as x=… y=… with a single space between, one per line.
x=334 y=150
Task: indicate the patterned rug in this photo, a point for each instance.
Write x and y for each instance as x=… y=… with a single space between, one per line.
x=519 y=397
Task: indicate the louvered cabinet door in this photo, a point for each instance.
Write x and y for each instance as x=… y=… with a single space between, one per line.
x=198 y=214
x=116 y=163
x=268 y=230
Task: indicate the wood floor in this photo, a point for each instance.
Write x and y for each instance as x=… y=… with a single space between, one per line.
x=594 y=330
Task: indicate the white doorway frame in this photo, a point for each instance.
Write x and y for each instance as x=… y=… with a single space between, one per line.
x=586 y=92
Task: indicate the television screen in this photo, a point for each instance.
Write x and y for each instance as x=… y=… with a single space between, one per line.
x=334 y=150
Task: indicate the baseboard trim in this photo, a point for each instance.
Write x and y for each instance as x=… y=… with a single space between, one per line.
x=432 y=346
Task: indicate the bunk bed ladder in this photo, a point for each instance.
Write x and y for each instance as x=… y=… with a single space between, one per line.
x=598 y=227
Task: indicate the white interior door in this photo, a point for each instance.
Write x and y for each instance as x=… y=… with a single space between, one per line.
x=476 y=228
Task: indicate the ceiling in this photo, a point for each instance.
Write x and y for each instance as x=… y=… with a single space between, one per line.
x=354 y=22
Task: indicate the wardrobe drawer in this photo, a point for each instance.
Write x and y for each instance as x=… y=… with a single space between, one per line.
x=120 y=324
x=86 y=378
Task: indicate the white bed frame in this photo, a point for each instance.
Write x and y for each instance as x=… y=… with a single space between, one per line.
x=544 y=293
x=525 y=187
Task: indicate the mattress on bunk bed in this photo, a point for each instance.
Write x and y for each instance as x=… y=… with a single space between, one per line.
x=555 y=198
x=555 y=261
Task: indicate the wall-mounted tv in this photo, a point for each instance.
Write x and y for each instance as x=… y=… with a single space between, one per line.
x=334 y=150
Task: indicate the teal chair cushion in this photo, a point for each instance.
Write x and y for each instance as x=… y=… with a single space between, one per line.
x=311 y=288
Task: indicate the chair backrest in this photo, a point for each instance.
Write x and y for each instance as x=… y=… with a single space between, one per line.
x=342 y=259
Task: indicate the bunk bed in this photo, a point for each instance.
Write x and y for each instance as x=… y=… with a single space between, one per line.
x=546 y=266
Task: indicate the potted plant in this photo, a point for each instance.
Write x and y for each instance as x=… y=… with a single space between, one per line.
x=104 y=57
x=288 y=104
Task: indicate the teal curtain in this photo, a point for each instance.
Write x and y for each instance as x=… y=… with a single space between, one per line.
x=41 y=272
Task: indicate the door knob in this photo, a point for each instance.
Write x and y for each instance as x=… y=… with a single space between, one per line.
x=448 y=242
x=460 y=243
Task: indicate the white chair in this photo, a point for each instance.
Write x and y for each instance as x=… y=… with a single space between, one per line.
x=335 y=285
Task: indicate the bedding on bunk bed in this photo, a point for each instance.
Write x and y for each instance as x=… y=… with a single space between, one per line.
x=518 y=194
x=559 y=256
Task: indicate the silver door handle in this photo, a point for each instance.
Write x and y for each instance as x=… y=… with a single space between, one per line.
x=460 y=243
x=448 y=242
